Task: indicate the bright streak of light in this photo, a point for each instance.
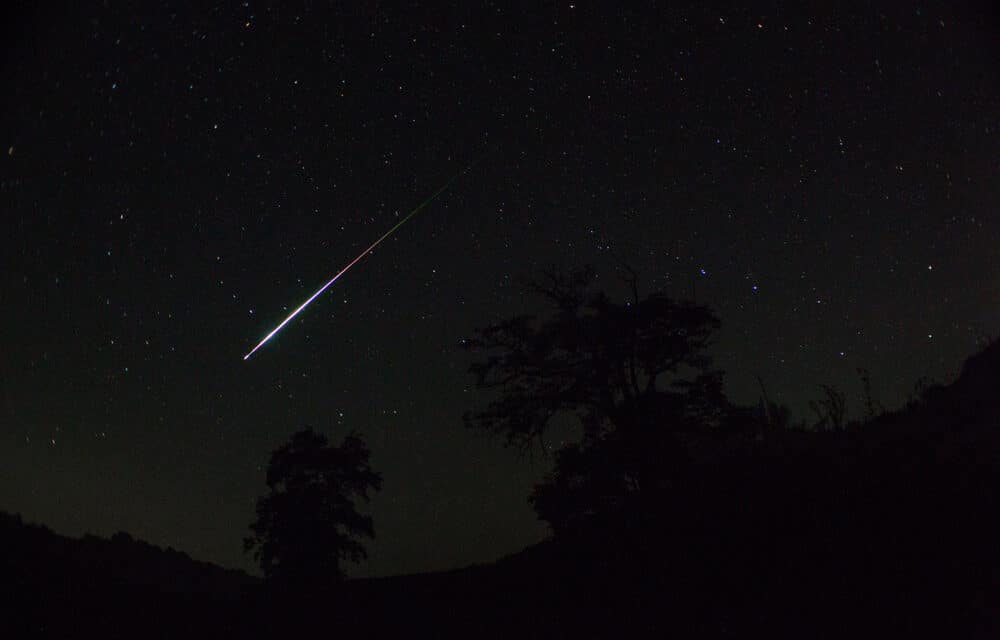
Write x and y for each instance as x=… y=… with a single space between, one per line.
x=355 y=261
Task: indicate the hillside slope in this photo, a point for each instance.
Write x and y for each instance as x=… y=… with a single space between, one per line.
x=887 y=528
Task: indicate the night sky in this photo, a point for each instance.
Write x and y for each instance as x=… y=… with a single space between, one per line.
x=175 y=181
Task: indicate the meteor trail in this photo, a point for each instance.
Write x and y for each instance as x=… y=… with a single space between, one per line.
x=355 y=261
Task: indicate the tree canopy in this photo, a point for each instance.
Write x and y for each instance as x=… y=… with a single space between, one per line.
x=309 y=522
x=633 y=374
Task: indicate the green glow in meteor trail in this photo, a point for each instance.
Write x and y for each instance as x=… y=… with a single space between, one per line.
x=360 y=255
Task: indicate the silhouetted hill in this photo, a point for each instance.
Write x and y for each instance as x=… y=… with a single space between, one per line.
x=888 y=528
x=53 y=585
x=37 y=552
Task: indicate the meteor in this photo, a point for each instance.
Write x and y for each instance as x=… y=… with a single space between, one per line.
x=357 y=259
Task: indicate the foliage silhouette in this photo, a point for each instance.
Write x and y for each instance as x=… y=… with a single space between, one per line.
x=886 y=531
x=872 y=408
x=309 y=523
x=635 y=375
x=741 y=517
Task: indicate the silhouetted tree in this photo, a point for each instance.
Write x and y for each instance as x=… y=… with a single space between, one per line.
x=309 y=522
x=634 y=375
x=872 y=408
x=830 y=410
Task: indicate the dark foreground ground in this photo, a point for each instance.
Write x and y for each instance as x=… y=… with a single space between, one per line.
x=888 y=529
x=521 y=597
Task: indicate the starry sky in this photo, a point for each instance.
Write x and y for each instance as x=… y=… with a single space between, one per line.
x=175 y=180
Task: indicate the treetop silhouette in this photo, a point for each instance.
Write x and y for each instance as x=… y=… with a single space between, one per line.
x=614 y=366
x=633 y=374
x=309 y=523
